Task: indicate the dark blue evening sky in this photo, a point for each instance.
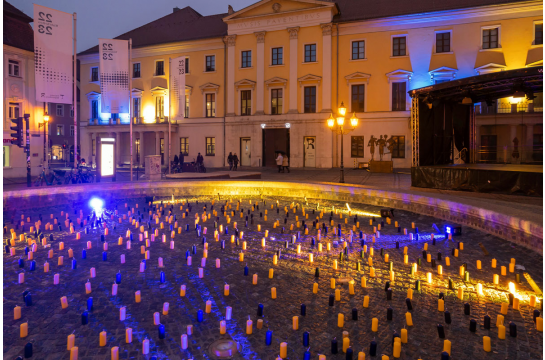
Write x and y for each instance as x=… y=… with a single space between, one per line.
x=110 y=18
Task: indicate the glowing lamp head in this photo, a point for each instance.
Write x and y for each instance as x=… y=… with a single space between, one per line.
x=342 y=109
x=448 y=229
x=46 y=118
x=340 y=120
x=331 y=121
x=354 y=120
x=96 y=204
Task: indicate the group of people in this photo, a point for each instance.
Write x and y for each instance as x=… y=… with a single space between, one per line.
x=282 y=161
x=233 y=161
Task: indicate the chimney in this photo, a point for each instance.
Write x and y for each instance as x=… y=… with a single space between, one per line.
x=175 y=9
x=230 y=10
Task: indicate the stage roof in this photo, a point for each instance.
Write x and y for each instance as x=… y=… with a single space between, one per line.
x=485 y=87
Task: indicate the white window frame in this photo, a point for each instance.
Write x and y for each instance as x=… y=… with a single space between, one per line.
x=91 y=75
x=406 y=35
x=90 y=98
x=155 y=68
x=366 y=91
x=303 y=57
x=215 y=100
x=251 y=59
x=407 y=97
x=132 y=70
x=11 y=105
x=318 y=97
x=19 y=66
x=252 y=110
x=350 y=50
x=139 y=97
x=59 y=107
x=215 y=64
x=435 y=42
x=284 y=110
x=72 y=130
x=56 y=130
x=488 y=27
x=271 y=56
x=535 y=22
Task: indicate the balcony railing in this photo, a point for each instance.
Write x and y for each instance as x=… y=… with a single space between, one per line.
x=483 y=109
x=510 y=155
x=136 y=121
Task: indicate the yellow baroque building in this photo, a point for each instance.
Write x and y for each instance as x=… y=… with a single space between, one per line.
x=266 y=78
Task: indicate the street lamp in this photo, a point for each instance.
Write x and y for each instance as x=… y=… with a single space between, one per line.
x=340 y=129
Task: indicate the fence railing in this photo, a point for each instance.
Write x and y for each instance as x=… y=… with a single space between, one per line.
x=510 y=155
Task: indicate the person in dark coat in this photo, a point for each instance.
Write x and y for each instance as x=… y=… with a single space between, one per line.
x=230 y=161
x=181 y=160
x=235 y=162
x=200 y=159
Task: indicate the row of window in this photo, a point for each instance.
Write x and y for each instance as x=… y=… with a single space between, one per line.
x=210 y=146
x=490 y=40
x=357 y=145
x=398 y=102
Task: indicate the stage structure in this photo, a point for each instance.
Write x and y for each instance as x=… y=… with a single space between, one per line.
x=444 y=135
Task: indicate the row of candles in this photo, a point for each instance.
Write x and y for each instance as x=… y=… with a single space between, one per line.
x=255 y=281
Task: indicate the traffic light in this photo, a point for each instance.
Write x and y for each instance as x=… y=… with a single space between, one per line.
x=17 y=136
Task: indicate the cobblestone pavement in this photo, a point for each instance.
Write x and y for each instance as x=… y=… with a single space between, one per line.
x=49 y=324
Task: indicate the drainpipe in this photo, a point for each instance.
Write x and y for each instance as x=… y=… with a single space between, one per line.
x=337 y=87
x=224 y=94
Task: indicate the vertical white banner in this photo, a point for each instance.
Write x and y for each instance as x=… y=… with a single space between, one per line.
x=53 y=49
x=177 y=72
x=114 y=75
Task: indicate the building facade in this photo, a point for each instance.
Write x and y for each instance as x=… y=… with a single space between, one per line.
x=20 y=93
x=266 y=78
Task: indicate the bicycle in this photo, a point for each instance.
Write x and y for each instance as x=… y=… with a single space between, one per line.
x=43 y=178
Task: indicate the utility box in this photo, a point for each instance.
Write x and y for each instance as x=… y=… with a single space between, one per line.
x=153 y=167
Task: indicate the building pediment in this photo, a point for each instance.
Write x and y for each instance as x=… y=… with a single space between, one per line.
x=309 y=78
x=443 y=73
x=93 y=95
x=280 y=7
x=158 y=91
x=209 y=87
x=399 y=74
x=137 y=92
x=357 y=76
x=276 y=81
x=245 y=82
x=490 y=68
x=271 y=15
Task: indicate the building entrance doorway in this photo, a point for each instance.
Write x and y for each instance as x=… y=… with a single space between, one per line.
x=245 y=152
x=275 y=141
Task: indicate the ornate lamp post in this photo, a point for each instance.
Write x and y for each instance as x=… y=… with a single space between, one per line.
x=340 y=129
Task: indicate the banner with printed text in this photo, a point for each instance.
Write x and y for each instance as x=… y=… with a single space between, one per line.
x=53 y=52
x=178 y=87
x=114 y=75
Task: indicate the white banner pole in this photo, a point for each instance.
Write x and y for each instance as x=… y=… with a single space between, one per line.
x=75 y=100
x=169 y=110
x=130 y=96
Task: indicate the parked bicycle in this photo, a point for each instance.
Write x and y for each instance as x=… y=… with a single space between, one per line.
x=52 y=179
x=82 y=174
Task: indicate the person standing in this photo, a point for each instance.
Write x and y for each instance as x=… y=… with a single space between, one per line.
x=285 y=163
x=230 y=161
x=279 y=160
x=235 y=162
x=181 y=159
